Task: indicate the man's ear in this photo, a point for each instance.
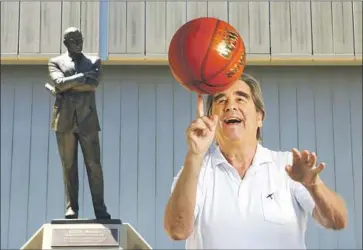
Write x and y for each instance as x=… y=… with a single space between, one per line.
x=260 y=117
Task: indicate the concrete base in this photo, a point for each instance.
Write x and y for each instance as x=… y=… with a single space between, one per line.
x=83 y=234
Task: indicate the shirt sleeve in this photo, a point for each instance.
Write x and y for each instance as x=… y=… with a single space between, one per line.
x=303 y=197
x=199 y=196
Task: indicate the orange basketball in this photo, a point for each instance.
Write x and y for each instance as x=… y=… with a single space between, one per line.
x=206 y=55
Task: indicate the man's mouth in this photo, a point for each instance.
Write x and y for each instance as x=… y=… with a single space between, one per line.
x=232 y=120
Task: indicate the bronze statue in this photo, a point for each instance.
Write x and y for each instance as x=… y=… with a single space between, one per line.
x=75 y=77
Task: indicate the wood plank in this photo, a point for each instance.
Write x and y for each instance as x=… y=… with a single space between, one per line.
x=164 y=157
x=9 y=28
x=343 y=156
x=129 y=149
x=117 y=27
x=146 y=161
x=322 y=29
x=71 y=17
x=324 y=143
x=19 y=194
x=287 y=106
x=355 y=103
x=218 y=10
x=135 y=28
x=90 y=26
x=357 y=15
x=271 y=124
x=239 y=19
x=343 y=35
x=259 y=28
x=50 y=28
x=38 y=172
x=155 y=28
x=176 y=14
x=280 y=28
x=355 y=96
x=29 y=33
x=301 y=28
x=111 y=146
x=196 y=9
x=7 y=126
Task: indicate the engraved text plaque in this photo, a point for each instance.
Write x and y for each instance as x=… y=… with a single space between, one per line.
x=77 y=237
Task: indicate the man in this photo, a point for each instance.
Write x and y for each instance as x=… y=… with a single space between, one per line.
x=239 y=194
x=76 y=77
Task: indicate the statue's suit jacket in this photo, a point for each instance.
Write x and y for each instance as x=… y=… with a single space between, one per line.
x=74 y=109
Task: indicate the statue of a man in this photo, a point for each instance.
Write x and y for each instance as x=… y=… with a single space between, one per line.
x=75 y=77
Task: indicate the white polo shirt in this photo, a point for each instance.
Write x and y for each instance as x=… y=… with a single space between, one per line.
x=265 y=210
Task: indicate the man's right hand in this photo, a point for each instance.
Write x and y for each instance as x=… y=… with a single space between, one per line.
x=91 y=74
x=201 y=132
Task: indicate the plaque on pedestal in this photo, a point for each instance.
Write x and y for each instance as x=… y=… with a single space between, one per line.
x=84 y=234
x=68 y=234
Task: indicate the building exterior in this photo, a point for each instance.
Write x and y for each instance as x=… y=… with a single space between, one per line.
x=307 y=55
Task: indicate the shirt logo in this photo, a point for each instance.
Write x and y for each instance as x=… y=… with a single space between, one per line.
x=270 y=196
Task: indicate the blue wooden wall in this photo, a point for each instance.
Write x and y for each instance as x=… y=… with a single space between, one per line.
x=143 y=115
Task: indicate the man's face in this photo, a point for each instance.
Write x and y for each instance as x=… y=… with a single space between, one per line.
x=238 y=118
x=75 y=43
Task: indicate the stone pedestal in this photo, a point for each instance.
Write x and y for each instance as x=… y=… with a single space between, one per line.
x=84 y=234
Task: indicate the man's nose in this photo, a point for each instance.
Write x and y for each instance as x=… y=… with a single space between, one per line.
x=230 y=107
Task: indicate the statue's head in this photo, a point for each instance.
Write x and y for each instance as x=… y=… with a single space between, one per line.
x=73 y=40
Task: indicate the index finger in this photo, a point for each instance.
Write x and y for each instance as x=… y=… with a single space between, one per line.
x=200 y=106
x=296 y=154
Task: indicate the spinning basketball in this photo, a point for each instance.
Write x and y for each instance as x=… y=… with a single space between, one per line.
x=206 y=55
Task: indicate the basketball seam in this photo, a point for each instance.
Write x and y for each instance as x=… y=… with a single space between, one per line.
x=207 y=53
x=190 y=75
x=183 y=52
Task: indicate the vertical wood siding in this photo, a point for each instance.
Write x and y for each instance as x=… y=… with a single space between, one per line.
x=321 y=21
x=9 y=28
x=117 y=21
x=144 y=28
x=357 y=20
x=135 y=43
x=35 y=28
x=143 y=115
x=280 y=28
x=301 y=40
x=29 y=27
x=50 y=25
x=90 y=25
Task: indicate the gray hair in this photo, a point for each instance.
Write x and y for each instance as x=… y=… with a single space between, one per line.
x=257 y=98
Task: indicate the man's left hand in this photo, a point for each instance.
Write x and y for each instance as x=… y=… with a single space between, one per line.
x=304 y=169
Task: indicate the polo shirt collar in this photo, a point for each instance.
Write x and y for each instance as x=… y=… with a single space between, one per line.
x=262 y=156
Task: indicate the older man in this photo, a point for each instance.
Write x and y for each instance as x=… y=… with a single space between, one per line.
x=239 y=194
